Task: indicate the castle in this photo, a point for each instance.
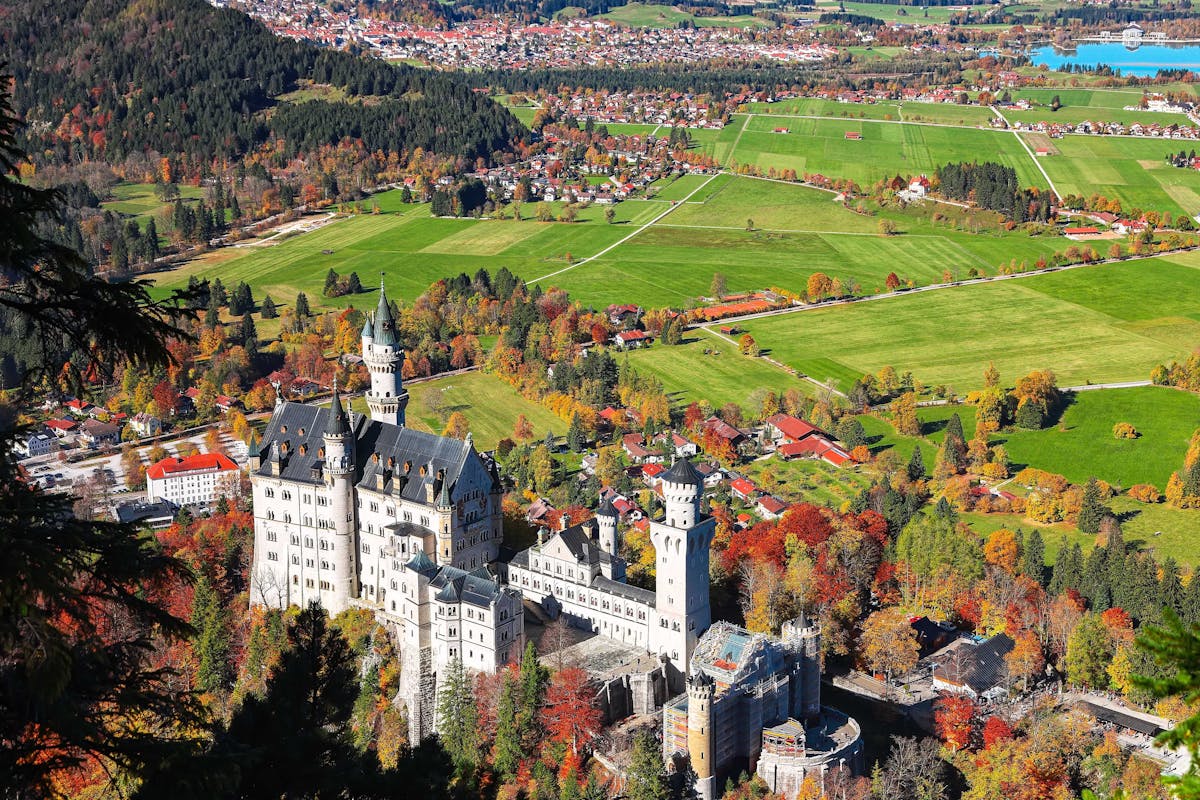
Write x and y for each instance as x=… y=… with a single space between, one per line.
x=352 y=511
x=363 y=512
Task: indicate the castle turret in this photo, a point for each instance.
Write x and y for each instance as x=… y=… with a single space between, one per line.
x=701 y=740
x=681 y=546
x=339 y=482
x=387 y=398
x=606 y=523
x=803 y=638
x=253 y=454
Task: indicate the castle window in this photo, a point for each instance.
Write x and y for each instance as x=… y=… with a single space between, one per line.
x=296 y=560
x=295 y=540
x=270 y=514
x=374 y=506
x=308 y=498
x=287 y=495
x=295 y=580
x=268 y=492
x=271 y=556
x=287 y=517
x=308 y=582
x=272 y=536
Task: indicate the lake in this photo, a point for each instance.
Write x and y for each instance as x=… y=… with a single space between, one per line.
x=1145 y=60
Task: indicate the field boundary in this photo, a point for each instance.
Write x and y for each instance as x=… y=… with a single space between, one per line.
x=1025 y=145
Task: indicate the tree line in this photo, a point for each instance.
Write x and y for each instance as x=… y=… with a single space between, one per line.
x=995 y=187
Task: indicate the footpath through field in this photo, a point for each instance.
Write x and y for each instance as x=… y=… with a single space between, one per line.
x=676 y=204
x=1036 y=163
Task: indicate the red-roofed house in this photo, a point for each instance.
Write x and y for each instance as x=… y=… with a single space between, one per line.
x=815 y=447
x=62 y=428
x=769 y=507
x=650 y=473
x=742 y=488
x=632 y=444
x=786 y=428
x=81 y=408
x=630 y=340
x=193 y=481
x=723 y=429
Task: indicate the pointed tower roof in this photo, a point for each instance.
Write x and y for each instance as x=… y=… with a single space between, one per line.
x=385 y=324
x=338 y=423
x=252 y=446
x=683 y=472
x=607 y=509
x=368 y=330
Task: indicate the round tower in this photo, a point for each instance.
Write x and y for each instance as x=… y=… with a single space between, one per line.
x=606 y=523
x=339 y=481
x=701 y=738
x=681 y=486
x=384 y=359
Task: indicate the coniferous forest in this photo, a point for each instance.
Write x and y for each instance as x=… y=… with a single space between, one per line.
x=102 y=79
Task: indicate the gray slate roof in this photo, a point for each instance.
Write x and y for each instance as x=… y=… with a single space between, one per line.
x=305 y=425
x=472 y=588
x=682 y=471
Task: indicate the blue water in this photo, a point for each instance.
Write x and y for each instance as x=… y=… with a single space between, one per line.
x=1146 y=60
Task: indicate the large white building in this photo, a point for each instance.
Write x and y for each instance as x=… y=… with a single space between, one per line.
x=196 y=480
x=355 y=511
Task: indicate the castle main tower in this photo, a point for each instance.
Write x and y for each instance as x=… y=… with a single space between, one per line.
x=681 y=544
x=339 y=482
x=606 y=523
x=387 y=399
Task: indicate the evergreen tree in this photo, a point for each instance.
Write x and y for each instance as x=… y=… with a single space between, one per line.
x=646 y=777
x=212 y=317
x=850 y=431
x=302 y=310
x=1095 y=580
x=506 y=756
x=458 y=717
x=533 y=677
x=151 y=238
x=1033 y=557
x=235 y=209
x=217 y=293
x=331 y=284
x=1170 y=587
x=916 y=464
x=210 y=619
x=1068 y=568
x=249 y=335
x=954 y=430
x=353 y=284
x=575 y=437
x=119 y=258
x=1092 y=511
x=1191 y=601
x=268 y=308
x=550 y=441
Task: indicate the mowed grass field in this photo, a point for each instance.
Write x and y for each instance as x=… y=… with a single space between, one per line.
x=940 y=113
x=886 y=148
x=653 y=15
x=706 y=367
x=413 y=249
x=140 y=202
x=1088 y=325
x=490 y=405
x=1082 y=444
x=1132 y=170
x=797 y=230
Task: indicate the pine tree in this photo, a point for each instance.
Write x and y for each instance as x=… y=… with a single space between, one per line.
x=458 y=717
x=302 y=309
x=249 y=335
x=1094 y=584
x=1068 y=568
x=235 y=210
x=575 y=437
x=212 y=638
x=533 y=677
x=506 y=756
x=353 y=284
x=1092 y=511
x=151 y=238
x=954 y=429
x=268 y=308
x=331 y=284
x=550 y=441
x=1170 y=588
x=916 y=464
x=1191 y=601
x=646 y=778
x=1033 y=557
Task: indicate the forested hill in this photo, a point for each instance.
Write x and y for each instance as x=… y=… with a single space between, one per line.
x=101 y=79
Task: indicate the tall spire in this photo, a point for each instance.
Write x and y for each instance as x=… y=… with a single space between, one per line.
x=385 y=324
x=338 y=424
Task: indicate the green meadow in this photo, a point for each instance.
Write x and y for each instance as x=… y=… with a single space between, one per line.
x=140 y=202
x=1082 y=444
x=939 y=113
x=886 y=148
x=653 y=15
x=1089 y=325
x=707 y=367
x=1132 y=170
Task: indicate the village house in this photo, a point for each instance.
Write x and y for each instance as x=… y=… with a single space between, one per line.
x=32 y=445
x=631 y=340
x=96 y=434
x=144 y=424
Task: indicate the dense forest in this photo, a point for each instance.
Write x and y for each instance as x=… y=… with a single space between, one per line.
x=101 y=79
x=993 y=186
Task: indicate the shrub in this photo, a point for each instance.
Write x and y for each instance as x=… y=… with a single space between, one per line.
x=1123 y=430
x=1144 y=493
x=994 y=471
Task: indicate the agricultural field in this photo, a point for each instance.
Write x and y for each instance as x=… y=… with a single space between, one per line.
x=893 y=13
x=1131 y=170
x=937 y=113
x=1077 y=114
x=882 y=436
x=491 y=407
x=652 y=15
x=1082 y=445
x=139 y=201
x=706 y=367
x=797 y=230
x=1088 y=325
x=886 y=148
x=413 y=249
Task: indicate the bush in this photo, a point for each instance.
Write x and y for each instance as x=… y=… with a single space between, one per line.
x=1144 y=493
x=1030 y=417
x=994 y=471
x=1123 y=430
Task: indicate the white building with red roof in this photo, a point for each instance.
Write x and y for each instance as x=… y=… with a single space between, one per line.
x=192 y=481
